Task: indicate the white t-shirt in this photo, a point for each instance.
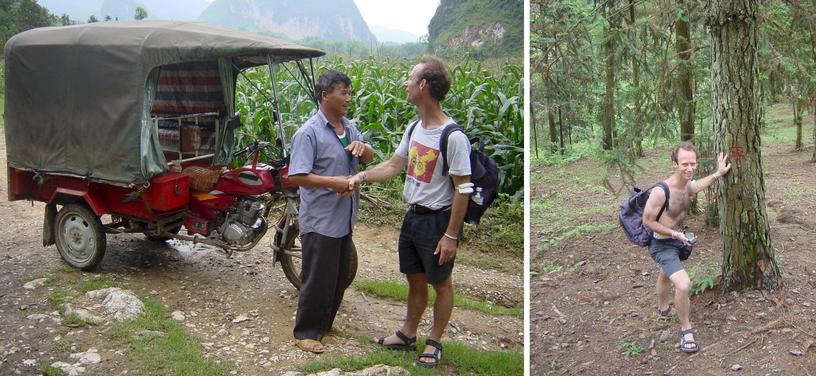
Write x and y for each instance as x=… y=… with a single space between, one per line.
x=424 y=183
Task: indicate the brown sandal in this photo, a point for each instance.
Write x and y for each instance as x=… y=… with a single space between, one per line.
x=310 y=345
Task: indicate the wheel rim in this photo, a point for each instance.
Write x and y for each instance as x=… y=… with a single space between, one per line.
x=78 y=238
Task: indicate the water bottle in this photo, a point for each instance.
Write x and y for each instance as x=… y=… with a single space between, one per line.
x=477 y=197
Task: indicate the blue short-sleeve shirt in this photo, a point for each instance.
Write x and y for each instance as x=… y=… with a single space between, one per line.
x=316 y=149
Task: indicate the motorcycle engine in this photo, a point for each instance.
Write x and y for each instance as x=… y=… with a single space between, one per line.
x=241 y=227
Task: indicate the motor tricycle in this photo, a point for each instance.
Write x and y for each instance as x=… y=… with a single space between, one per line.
x=129 y=127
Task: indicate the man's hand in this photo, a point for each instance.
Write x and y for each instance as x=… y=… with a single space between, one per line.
x=356 y=180
x=679 y=235
x=446 y=249
x=356 y=148
x=340 y=184
x=722 y=166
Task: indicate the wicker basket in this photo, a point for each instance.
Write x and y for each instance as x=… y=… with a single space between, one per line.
x=202 y=178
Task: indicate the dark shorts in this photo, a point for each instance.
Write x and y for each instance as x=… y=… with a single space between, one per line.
x=666 y=252
x=417 y=242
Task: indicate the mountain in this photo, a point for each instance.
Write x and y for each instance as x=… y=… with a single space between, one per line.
x=385 y=34
x=296 y=19
x=488 y=27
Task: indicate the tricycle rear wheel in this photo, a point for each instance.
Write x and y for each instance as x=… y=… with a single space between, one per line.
x=292 y=265
x=80 y=238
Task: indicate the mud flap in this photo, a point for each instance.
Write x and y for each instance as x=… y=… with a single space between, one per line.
x=48 y=224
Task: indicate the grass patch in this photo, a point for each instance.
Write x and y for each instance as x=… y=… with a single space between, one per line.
x=457 y=359
x=630 y=348
x=97 y=283
x=703 y=278
x=59 y=297
x=399 y=291
x=481 y=259
x=174 y=353
x=73 y=320
x=47 y=370
x=556 y=269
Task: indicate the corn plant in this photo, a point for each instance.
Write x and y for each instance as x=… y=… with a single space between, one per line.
x=488 y=104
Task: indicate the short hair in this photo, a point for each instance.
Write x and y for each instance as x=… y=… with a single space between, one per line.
x=327 y=81
x=437 y=76
x=685 y=145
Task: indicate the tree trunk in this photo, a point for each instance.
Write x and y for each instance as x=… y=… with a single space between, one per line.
x=685 y=108
x=561 y=130
x=813 y=56
x=637 y=143
x=797 y=121
x=748 y=256
x=535 y=130
x=813 y=159
x=608 y=112
x=553 y=129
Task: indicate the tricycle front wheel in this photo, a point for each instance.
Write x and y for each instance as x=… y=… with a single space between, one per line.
x=80 y=238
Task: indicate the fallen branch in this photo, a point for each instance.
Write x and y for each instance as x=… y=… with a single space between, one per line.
x=763 y=328
x=365 y=297
x=800 y=329
x=378 y=203
x=557 y=311
x=742 y=347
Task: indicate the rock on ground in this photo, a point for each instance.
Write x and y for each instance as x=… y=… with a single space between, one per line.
x=82 y=314
x=31 y=285
x=178 y=316
x=68 y=369
x=87 y=357
x=377 y=370
x=122 y=304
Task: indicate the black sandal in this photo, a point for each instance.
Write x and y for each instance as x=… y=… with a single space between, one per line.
x=684 y=342
x=408 y=343
x=664 y=314
x=436 y=355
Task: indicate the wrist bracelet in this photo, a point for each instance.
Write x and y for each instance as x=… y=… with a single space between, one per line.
x=450 y=237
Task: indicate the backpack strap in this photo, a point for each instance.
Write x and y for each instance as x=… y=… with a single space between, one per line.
x=411 y=130
x=443 y=144
x=665 y=206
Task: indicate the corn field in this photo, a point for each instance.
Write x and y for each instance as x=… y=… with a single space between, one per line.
x=487 y=104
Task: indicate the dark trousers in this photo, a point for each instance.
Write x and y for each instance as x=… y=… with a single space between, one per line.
x=325 y=271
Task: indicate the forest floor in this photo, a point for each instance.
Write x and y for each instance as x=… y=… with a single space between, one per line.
x=238 y=311
x=593 y=301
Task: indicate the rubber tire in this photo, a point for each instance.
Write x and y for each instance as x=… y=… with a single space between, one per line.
x=293 y=272
x=79 y=217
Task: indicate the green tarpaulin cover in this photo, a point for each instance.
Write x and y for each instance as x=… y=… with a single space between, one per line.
x=77 y=96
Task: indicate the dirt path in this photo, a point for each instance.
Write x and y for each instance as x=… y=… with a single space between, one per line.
x=212 y=291
x=597 y=314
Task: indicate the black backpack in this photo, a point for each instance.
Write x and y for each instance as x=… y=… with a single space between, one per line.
x=631 y=214
x=484 y=173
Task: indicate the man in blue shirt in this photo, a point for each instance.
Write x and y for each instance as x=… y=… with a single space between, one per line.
x=326 y=150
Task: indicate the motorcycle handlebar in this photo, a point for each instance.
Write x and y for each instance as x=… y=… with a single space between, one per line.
x=251 y=148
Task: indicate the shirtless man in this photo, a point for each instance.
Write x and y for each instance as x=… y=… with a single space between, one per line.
x=667 y=241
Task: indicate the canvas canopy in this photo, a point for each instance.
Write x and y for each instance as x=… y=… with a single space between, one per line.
x=78 y=97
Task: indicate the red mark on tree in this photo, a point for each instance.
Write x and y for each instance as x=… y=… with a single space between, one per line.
x=737 y=153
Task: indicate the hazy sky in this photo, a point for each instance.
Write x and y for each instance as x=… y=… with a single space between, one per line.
x=412 y=16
